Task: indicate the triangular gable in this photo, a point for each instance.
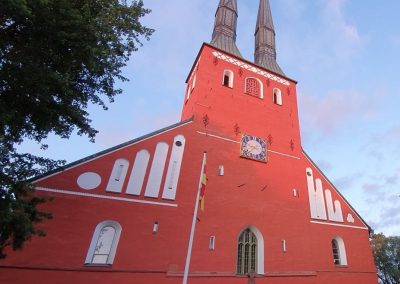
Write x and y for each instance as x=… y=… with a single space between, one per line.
x=327 y=204
x=146 y=167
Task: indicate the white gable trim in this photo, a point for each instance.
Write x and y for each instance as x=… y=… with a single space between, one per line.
x=69 y=192
x=338 y=225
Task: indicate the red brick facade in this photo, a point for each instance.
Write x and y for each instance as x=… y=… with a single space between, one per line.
x=273 y=199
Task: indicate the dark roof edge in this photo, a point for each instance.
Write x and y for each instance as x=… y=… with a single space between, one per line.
x=341 y=195
x=101 y=153
x=238 y=58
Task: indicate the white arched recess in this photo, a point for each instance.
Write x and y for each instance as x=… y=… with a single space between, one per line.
x=117 y=177
x=260 y=247
x=138 y=173
x=157 y=170
x=174 y=168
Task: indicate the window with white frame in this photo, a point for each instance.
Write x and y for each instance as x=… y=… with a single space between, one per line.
x=339 y=251
x=254 y=87
x=104 y=243
x=250 y=251
x=227 y=79
x=277 y=96
x=247 y=253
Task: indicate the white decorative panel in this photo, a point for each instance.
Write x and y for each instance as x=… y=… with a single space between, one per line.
x=316 y=196
x=118 y=175
x=174 y=168
x=157 y=170
x=88 y=180
x=334 y=209
x=138 y=173
x=350 y=218
x=249 y=67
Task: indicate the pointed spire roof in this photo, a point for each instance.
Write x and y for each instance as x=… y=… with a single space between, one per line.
x=265 y=50
x=224 y=35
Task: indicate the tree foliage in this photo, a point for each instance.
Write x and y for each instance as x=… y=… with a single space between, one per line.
x=56 y=58
x=386 y=252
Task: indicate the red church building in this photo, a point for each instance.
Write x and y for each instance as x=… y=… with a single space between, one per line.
x=226 y=196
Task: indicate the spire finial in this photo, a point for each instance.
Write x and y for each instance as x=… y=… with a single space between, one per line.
x=265 y=51
x=224 y=35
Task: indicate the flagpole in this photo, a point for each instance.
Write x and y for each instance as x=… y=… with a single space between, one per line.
x=194 y=221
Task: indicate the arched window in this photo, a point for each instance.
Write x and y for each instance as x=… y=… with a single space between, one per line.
x=277 y=96
x=250 y=252
x=104 y=243
x=254 y=87
x=227 y=80
x=339 y=251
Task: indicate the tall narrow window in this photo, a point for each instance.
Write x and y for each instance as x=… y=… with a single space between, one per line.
x=194 y=81
x=188 y=89
x=104 y=243
x=227 y=80
x=339 y=251
x=253 y=87
x=335 y=251
x=247 y=253
x=211 y=245
x=277 y=96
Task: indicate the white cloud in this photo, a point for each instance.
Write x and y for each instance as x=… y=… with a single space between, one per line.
x=347 y=35
x=337 y=109
x=395 y=39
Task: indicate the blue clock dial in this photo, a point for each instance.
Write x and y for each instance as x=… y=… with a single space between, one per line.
x=253 y=147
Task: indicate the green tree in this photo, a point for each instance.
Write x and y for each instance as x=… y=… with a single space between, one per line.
x=386 y=252
x=56 y=58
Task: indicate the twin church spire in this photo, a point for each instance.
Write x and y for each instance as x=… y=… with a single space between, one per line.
x=224 y=35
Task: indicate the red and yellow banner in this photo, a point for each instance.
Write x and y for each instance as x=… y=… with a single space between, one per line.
x=203 y=186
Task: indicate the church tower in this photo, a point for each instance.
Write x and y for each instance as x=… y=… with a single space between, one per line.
x=237 y=96
x=131 y=213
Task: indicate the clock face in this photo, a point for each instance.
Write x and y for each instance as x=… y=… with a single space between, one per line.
x=254 y=148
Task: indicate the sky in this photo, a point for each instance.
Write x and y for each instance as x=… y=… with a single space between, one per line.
x=344 y=55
